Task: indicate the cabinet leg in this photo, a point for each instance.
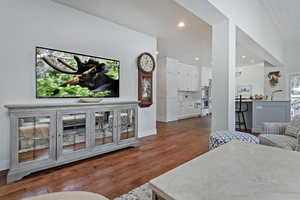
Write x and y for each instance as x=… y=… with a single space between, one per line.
x=136 y=145
x=15 y=176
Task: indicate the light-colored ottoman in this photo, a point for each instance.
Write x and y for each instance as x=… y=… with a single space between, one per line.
x=69 y=196
x=222 y=137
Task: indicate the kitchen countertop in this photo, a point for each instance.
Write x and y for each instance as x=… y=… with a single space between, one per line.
x=234 y=171
x=250 y=101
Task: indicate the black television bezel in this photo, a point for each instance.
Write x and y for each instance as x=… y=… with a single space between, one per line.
x=80 y=54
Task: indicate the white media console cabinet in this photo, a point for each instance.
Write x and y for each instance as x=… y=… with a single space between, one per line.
x=49 y=135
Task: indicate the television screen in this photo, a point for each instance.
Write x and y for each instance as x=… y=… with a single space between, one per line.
x=61 y=74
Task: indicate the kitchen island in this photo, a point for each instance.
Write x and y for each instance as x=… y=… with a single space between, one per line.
x=260 y=111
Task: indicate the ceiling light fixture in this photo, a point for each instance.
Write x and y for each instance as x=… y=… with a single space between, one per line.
x=243 y=57
x=197 y=58
x=156 y=52
x=181 y=24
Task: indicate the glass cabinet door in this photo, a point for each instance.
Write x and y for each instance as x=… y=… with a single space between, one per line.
x=127 y=124
x=35 y=138
x=73 y=133
x=104 y=131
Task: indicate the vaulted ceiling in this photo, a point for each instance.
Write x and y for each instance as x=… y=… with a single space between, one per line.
x=285 y=15
x=159 y=18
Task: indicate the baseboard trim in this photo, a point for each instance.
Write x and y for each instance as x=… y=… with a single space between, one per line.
x=148 y=133
x=166 y=121
x=4 y=165
x=188 y=116
x=161 y=119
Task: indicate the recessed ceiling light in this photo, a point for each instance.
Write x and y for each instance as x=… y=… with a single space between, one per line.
x=181 y=24
x=156 y=52
x=197 y=59
x=243 y=57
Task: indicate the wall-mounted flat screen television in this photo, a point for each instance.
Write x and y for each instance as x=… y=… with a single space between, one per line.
x=61 y=74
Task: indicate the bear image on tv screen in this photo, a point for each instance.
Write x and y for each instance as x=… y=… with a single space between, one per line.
x=63 y=74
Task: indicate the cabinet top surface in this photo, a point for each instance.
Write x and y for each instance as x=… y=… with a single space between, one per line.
x=67 y=104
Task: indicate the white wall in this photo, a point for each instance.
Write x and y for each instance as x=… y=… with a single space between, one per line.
x=253 y=75
x=223 y=76
x=292 y=63
x=31 y=23
x=282 y=85
x=292 y=58
x=251 y=17
x=248 y=15
x=161 y=113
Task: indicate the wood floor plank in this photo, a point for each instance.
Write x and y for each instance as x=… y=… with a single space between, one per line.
x=117 y=173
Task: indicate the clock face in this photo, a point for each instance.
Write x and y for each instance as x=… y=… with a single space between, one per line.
x=146 y=62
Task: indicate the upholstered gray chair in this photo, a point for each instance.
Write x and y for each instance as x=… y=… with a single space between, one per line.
x=282 y=135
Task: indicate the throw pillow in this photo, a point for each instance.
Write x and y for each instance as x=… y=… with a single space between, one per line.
x=293 y=127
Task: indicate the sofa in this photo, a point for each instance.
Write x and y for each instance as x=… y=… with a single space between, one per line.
x=282 y=135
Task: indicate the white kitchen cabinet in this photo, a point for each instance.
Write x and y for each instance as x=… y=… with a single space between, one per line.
x=188 y=79
x=179 y=80
x=174 y=78
x=172 y=84
x=187 y=109
x=168 y=86
x=196 y=80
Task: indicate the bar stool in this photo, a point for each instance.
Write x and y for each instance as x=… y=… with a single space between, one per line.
x=240 y=112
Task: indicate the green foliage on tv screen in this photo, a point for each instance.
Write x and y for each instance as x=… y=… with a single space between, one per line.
x=114 y=70
x=49 y=85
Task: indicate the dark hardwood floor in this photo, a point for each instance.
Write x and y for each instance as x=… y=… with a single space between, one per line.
x=119 y=172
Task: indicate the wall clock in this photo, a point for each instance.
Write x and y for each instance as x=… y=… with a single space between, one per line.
x=146 y=66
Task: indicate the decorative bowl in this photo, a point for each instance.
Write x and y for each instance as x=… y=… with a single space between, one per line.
x=90 y=100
